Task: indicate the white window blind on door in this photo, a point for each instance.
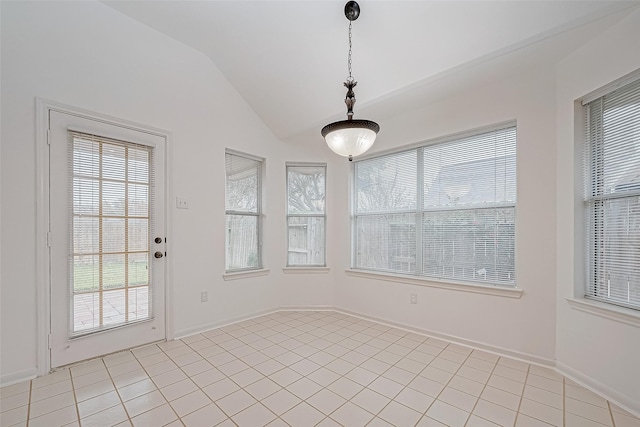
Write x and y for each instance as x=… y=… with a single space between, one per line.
x=111 y=195
x=243 y=210
x=444 y=210
x=612 y=196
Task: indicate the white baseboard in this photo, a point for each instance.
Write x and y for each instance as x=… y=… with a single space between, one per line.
x=625 y=402
x=18 y=377
x=307 y=308
x=500 y=351
x=182 y=333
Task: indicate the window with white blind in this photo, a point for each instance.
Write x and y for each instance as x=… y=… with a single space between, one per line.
x=612 y=196
x=306 y=215
x=243 y=212
x=444 y=211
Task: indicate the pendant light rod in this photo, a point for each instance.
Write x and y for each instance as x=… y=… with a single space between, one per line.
x=351 y=12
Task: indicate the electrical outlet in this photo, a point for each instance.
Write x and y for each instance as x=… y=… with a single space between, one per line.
x=182 y=203
x=204 y=297
x=413 y=298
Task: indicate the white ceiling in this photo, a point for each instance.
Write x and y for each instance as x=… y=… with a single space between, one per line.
x=288 y=58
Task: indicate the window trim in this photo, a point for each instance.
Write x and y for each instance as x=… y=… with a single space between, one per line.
x=291 y=268
x=428 y=282
x=439 y=140
x=493 y=288
x=243 y=274
x=306 y=270
x=247 y=271
x=606 y=310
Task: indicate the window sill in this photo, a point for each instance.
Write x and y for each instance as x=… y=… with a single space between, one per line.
x=306 y=270
x=608 y=311
x=433 y=283
x=245 y=274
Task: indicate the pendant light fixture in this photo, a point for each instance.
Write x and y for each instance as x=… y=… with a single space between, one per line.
x=350 y=137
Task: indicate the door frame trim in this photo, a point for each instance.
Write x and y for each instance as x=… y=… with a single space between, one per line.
x=43 y=278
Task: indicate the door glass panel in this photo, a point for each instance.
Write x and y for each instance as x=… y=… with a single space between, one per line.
x=110 y=253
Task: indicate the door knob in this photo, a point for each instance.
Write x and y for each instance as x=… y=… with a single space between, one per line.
x=158 y=240
x=158 y=254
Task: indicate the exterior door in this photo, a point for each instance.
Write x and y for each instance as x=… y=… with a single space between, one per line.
x=107 y=237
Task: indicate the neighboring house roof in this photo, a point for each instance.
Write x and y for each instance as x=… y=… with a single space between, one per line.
x=629 y=182
x=470 y=184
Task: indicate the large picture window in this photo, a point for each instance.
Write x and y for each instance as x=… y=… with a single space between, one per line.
x=445 y=210
x=243 y=212
x=612 y=196
x=306 y=215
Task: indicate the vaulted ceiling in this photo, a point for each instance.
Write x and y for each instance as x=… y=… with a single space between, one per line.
x=288 y=59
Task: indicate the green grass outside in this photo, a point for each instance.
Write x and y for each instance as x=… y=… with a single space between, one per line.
x=86 y=277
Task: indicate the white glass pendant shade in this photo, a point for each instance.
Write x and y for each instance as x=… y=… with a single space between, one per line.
x=350 y=142
x=350 y=138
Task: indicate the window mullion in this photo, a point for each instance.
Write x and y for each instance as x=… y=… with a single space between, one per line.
x=419 y=211
x=353 y=197
x=242 y=213
x=260 y=218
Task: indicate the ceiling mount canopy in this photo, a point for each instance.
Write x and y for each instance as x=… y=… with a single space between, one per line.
x=350 y=137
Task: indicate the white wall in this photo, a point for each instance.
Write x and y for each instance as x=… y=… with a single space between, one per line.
x=525 y=325
x=89 y=56
x=600 y=352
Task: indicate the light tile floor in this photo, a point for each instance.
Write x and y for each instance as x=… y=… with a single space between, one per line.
x=306 y=369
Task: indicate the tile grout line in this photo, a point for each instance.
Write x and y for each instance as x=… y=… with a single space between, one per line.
x=126 y=411
x=199 y=388
x=325 y=416
x=447 y=384
x=381 y=375
x=265 y=376
x=343 y=376
x=424 y=414
x=75 y=399
x=484 y=386
x=564 y=401
x=613 y=420
x=524 y=385
x=375 y=415
x=414 y=377
x=29 y=403
x=117 y=389
x=180 y=368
